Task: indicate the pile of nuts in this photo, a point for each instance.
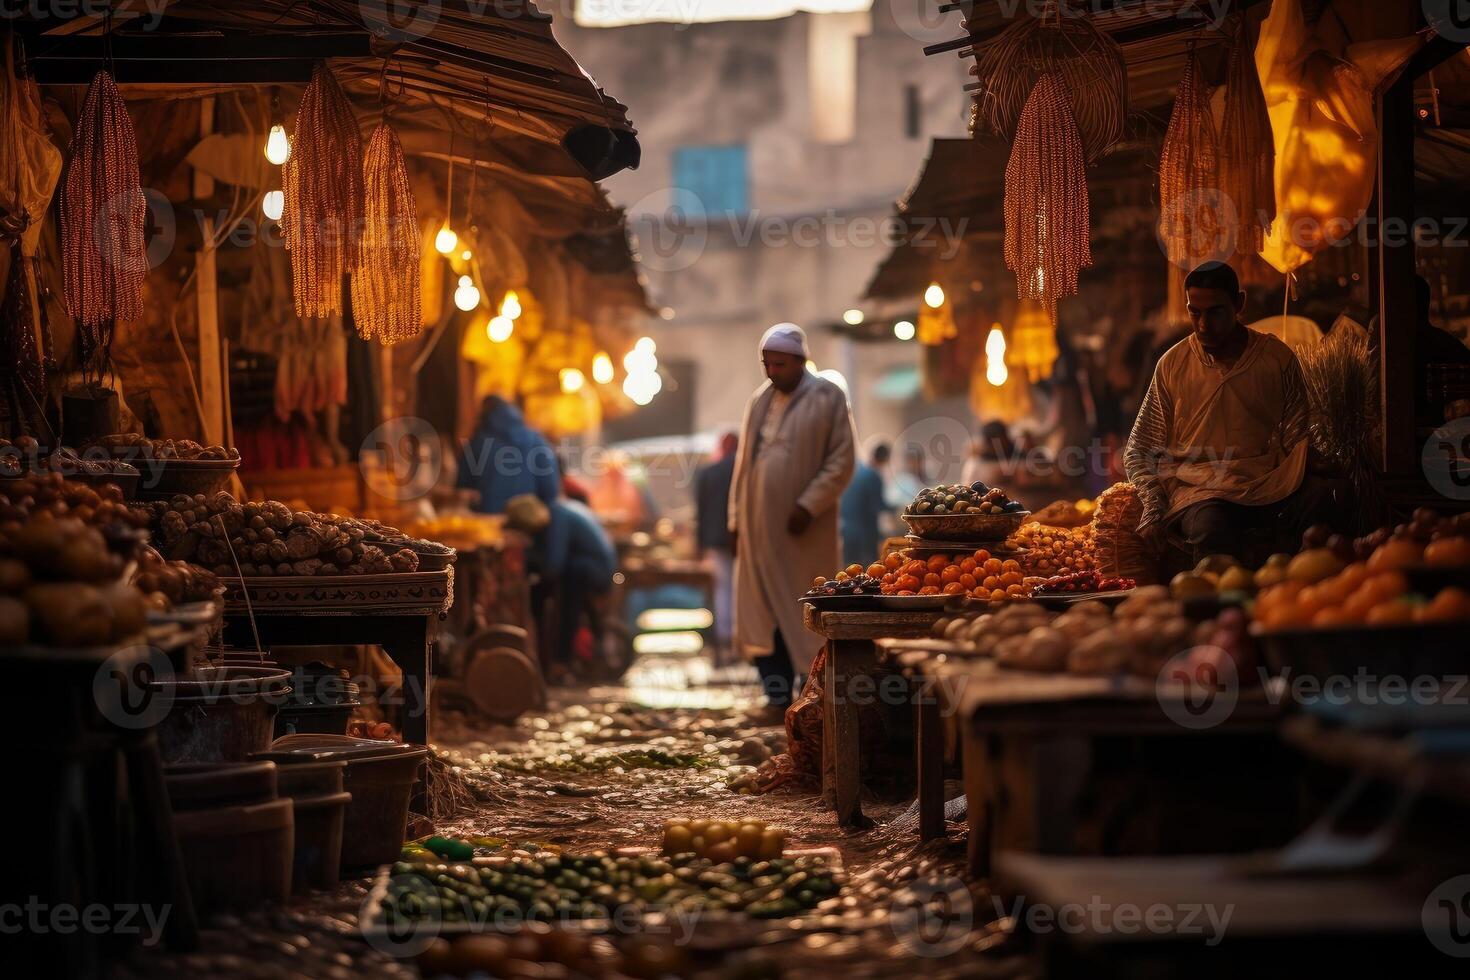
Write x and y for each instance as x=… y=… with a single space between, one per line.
x=1055 y=550
x=267 y=538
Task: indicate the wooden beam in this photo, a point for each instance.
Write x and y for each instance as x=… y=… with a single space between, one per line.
x=283 y=71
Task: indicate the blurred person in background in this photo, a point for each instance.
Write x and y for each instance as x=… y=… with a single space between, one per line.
x=506 y=458
x=910 y=479
x=712 y=534
x=992 y=456
x=863 y=506
x=576 y=561
x=572 y=486
x=795 y=458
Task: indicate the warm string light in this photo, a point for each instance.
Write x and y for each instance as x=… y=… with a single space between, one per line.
x=643 y=381
x=446 y=239
x=273 y=204
x=500 y=328
x=903 y=330
x=995 y=357
x=466 y=294
x=602 y=368
x=322 y=222
x=385 y=287
x=852 y=317
x=510 y=306
x=103 y=212
x=572 y=381
x=934 y=296
x=1047 y=225
x=277 y=146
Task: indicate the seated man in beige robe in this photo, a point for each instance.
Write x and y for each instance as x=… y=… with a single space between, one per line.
x=1220 y=443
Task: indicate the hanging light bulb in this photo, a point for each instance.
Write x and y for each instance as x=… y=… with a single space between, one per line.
x=277 y=147
x=445 y=241
x=646 y=345
x=466 y=296
x=466 y=255
x=903 y=330
x=511 y=305
x=852 y=317
x=995 y=357
x=934 y=296
x=602 y=368
x=640 y=361
x=642 y=387
x=273 y=204
x=572 y=381
x=500 y=328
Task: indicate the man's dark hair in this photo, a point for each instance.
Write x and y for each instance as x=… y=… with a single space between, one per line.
x=881 y=452
x=1214 y=275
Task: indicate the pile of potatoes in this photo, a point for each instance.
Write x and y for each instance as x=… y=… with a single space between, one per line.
x=60 y=586
x=1138 y=637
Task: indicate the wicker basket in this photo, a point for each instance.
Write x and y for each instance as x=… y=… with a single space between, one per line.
x=163 y=478
x=966 y=527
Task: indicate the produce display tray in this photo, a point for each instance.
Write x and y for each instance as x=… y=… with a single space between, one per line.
x=925 y=546
x=1378 y=652
x=1062 y=601
x=712 y=930
x=966 y=527
x=395 y=593
x=877 y=603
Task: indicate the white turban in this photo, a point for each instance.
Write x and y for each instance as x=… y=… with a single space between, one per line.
x=785 y=338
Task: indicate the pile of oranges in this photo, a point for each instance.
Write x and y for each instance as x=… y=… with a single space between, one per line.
x=976 y=574
x=1374 y=592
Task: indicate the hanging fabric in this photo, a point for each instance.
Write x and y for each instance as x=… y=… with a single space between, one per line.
x=323 y=182
x=385 y=286
x=1046 y=213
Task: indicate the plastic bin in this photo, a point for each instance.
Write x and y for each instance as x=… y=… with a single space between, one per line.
x=320 y=825
x=380 y=776
x=220 y=714
x=208 y=785
x=238 y=857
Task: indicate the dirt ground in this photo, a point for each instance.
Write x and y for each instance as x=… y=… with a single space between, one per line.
x=907 y=907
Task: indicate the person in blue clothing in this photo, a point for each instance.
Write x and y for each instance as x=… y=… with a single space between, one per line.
x=574 y=557
x=505 y=458
x=861 y=509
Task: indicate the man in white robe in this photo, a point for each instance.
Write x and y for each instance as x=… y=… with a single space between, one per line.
x=795 y=459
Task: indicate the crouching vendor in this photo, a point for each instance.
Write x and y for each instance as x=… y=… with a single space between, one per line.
x=1219 y=449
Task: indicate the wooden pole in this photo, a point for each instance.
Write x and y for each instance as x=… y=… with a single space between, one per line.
x=211 y=381
x=1393 y=247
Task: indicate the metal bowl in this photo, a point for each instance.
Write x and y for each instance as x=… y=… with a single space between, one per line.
x=966 y=527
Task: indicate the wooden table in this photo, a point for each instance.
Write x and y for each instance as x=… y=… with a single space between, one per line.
x=398 y=612
x=1035 y=745
x=938 y=671
x=851 y=654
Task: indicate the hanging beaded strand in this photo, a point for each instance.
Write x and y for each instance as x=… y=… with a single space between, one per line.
x=385 y=286
x=322 y=221
x=1046 y=213
x=102 y=213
